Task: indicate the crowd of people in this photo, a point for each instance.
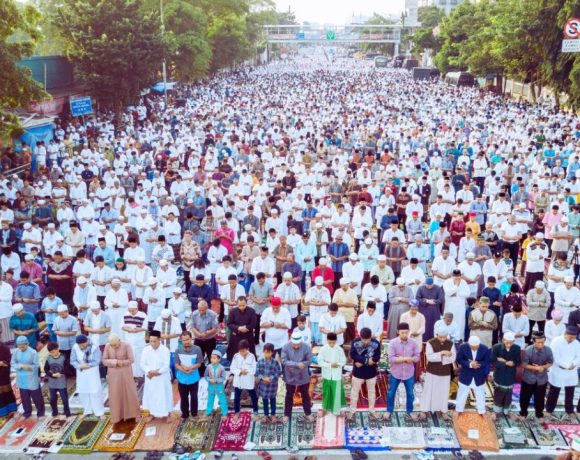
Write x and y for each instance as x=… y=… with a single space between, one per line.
x=291 y=219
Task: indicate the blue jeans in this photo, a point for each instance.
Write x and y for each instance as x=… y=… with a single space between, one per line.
x=216 y=390
x=269 y=406
x=393 y=385
x=316 y=334
x=238 y=397
x=51 y=335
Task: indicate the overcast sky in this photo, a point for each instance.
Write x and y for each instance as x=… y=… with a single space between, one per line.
x=338 y=11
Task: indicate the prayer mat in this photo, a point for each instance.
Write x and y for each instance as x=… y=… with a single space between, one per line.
x=232 y=434
x=546 y=437
x=121 y=436
x=380 y=390
x=365 y=439
x=441 y=439
x=475 y=432
x=501 y=424
x=83 y=434
x=568 y=431
x=524 y=427
x=302 y=432
x=198 y=434
x=405 y=438
x=18 y=432
x=405 y=420
x=16 y=392
x=269 y=435
x=562 y=418
x=50 y=435
x=366 y=421
x=159 y=435
x=329 y=432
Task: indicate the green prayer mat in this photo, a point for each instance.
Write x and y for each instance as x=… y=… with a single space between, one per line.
x=366 y=421
x=198 y=434
x=405 y=420
x=269 y=435
x=302 y=432
x=83 y=435
x=546 y=437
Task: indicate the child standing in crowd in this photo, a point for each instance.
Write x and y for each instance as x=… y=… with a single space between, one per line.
x=303 y=329
x=268 y=371
x=244 y=369
x=49 y=305
x=332 y=359
x=215 y=374
x=54 y=369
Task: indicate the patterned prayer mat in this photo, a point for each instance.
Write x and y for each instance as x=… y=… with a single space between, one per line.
x=302 y=432
x=50 y=435
x=508 y=437
x=441 y=439
x=405 y=438
x=546 y=437
x=18 y=433
x=475 y=432
x=198 y=434
x=365 y=438
x=562 y=418
x=4 y=421
x=158 y=435
x=405 y=420
x=83 y=434
x=568 y=431
x=366 y=421
x=270 y=436
x=122 y=436
x=329 y=432
x=232 y=434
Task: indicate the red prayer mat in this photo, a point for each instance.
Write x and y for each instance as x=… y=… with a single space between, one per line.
x=232 y=434
x=569 y=432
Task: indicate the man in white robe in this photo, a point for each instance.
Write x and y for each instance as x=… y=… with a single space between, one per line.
x=134 y=327
x=85 y=358
x=157 y=393
x=456 y=294
x=116 y=302
x=471 y=273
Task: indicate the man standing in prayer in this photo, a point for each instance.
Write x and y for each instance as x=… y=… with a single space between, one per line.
x=188 y=360
x=296 y=357
x=85 y=358
x=403 y=354
x=482 y=322
x=25 y=365
x=473 y=357
x=332 y=359
x=123 y=400
x=440 y=352
x=134 y=327
x=456 y=294
x=157 y=393
x=431 y=300
x=564 y=372
x=507 y=357
x=536 y=361
x=365 y=352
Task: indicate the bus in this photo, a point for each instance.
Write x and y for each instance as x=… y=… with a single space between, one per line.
x=460 y=79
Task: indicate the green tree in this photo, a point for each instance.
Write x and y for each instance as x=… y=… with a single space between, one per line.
x=17 y=88
x=430 y=16
x=424 y=39
x=384 y=48
x=116 y=47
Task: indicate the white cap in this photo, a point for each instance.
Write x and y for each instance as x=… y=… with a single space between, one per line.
x=50 y=224
x=115 y=281
x=344 y=280
x=152 y=281
x=568 y=279
x=509 y=336
x=400 y=282
x=163 y=263
x=132 y=304
x=27 y=225
x=95 y=305
x=442 y=330
x=470 y=255
x=81 y=280
x=540 y=236
x=382 y=257
x=28 y=257
x=287 y=276
x=62 y=308
x=319 y=281
x=368 y=241
x=353 y=256
x=17 y=307
x=474 y=341
x=318 y=225
x=540 y=285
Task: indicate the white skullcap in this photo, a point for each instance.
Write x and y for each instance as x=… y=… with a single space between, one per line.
x=81 y=280
x=322 y=261
x=474 y=341
x=28 y=257
x=568 y=279
x=318 y=225
x=540 y=284
x=165 y=313
x=177 y=290
x=132 y=304
x=344 y=280
x=95 y=305
x=368 y=241
x=27 y=225
x=287 y=275
x=163 y=263
x=442 y=330
x=382 y=257
x=540 y=235
x=470 y=255
x=400 y=282
x=319 y=281
x=17 y=307
x=353 y=256
x=509 y=336
x=115 y=281
x=152 y=281
x=62 y=308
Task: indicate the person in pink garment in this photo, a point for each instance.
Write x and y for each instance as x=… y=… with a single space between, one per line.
x=551 y=219
x=226 y=235
x=35 y=271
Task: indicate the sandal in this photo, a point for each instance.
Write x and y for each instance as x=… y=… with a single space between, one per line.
x=218 y=454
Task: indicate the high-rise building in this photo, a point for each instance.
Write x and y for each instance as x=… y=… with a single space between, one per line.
x=446 y=5
x=411 y=11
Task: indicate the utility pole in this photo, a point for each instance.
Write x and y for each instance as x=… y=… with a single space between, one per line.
x=164 y=68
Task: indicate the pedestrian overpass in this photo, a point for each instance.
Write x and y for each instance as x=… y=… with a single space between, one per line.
x=334 y=35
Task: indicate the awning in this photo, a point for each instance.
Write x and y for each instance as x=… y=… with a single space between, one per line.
x=161 y=87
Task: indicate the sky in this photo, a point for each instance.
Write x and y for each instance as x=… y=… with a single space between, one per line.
x=338 y=11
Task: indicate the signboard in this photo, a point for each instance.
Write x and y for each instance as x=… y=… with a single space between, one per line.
x=300 y=36
x=81 y=106
x=330 y=35
x=572 y=28
x=571 y=46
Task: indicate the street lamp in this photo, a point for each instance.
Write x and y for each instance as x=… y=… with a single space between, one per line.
x=164 y=68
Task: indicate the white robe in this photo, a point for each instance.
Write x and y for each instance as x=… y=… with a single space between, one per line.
x=89 y=386
x=157 y=393
x=565 y=355
x=456 y=301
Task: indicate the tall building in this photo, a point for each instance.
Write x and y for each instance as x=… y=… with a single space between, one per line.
x=411 y=11
x=446 y=5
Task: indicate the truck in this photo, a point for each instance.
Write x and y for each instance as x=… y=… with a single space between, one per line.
x=425 y=73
